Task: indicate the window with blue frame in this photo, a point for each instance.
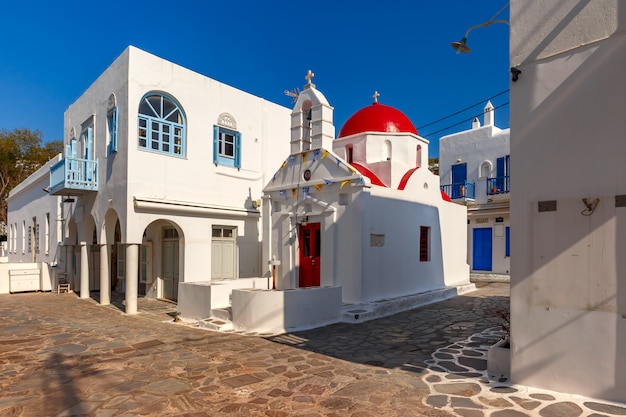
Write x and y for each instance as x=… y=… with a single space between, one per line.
x=226 y=142
x=112 y=130
x=507 y=244
x=161 y=125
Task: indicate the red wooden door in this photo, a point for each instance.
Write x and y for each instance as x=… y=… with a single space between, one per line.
x=310 y=242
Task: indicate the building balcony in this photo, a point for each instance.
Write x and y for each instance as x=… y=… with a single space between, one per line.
x=73 y=176
x=498 y=185
x=462 y=190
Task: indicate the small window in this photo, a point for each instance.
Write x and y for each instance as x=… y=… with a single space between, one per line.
x=424 y=243
x=226 y=147
x=349 y=153
x=170 y=233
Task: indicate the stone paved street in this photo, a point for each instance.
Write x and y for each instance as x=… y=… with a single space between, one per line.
x=62 y=356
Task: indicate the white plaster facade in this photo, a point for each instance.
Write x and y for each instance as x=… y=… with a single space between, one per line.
x=155 y=219
x=568 y=139
x=483 y=153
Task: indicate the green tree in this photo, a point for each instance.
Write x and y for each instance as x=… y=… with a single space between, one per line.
x=21 y=154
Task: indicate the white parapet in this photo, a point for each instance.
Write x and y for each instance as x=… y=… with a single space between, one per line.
x=279 y=311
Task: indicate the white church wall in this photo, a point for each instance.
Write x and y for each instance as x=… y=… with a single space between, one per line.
x=568 y=276
x=392 y=267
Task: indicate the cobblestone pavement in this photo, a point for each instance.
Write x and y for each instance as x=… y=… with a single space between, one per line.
x=63 y=356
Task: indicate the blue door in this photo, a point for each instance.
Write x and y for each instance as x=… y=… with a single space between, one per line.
x=481 y=259
x=459 y=176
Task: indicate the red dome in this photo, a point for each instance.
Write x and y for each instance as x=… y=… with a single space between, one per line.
x=377 y=118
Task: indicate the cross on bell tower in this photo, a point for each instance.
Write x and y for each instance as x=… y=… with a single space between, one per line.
x=309 y=76
x=375 y=96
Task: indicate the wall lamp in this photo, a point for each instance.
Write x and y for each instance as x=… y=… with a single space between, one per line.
x=461 y=46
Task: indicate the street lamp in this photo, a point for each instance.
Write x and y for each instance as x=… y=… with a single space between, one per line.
x=461 y=46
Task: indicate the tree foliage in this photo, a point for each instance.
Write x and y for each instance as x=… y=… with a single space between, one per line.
x=21 y=154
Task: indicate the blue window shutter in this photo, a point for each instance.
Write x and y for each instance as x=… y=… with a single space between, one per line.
x=88 y=143
x=113 y=131
x=237 y=150
x=216 y=140
x=73 y=149
x=500 y=167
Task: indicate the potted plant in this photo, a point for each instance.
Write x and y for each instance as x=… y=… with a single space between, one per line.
x=499 y=355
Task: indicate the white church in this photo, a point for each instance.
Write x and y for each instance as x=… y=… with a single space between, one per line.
x=175 y=186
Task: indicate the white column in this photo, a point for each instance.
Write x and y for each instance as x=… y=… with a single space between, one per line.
x=84 y=270
x=132 y=277
x=105 y=278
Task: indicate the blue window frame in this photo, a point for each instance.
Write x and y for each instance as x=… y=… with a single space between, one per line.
x=112 y=126
x=507 y=247
x=226 y=147
x=161 y=125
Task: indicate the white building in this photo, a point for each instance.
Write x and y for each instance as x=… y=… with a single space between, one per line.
x=159 y=183
x=568 y=212
x=163 y=180
x=358 y=221
x=474 y=171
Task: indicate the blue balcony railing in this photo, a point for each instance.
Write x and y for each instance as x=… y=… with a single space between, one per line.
x=459 y=190
x=73 y=176
x=498 y=185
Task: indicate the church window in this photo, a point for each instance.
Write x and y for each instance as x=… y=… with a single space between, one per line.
x=226 y=147
x=161 y=126
x=424 y=243
x=349 y=153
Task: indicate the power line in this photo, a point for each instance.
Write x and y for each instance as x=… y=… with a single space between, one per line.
x=461 y=122
x=465 y=109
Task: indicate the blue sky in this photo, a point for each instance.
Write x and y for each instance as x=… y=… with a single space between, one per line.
x=51 y=51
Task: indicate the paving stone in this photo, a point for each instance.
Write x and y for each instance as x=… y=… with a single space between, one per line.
x=503 y=390
x=462 y=389
x=508 y=413
x=462 y=402
x=495 y=402
x=605 y=408
x=542 y=397
x=474 y=363
x=438 y=401
x=168 y=386
x=469 y=413
x=526 y=403
x=561 y=409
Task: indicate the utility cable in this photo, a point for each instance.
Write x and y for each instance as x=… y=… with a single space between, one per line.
x=461 y=122
x=465 y=109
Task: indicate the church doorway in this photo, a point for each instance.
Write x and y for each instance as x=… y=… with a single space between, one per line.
x=310 y=244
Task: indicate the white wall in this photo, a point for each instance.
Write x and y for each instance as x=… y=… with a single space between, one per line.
x=29 y=201
x=568 y=281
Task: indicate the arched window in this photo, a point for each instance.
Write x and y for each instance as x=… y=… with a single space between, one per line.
x=485 y=169
x=226 y=142
x=161 y=125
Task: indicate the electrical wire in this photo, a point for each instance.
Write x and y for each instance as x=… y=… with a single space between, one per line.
x=465 y=109
x=461 y=122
